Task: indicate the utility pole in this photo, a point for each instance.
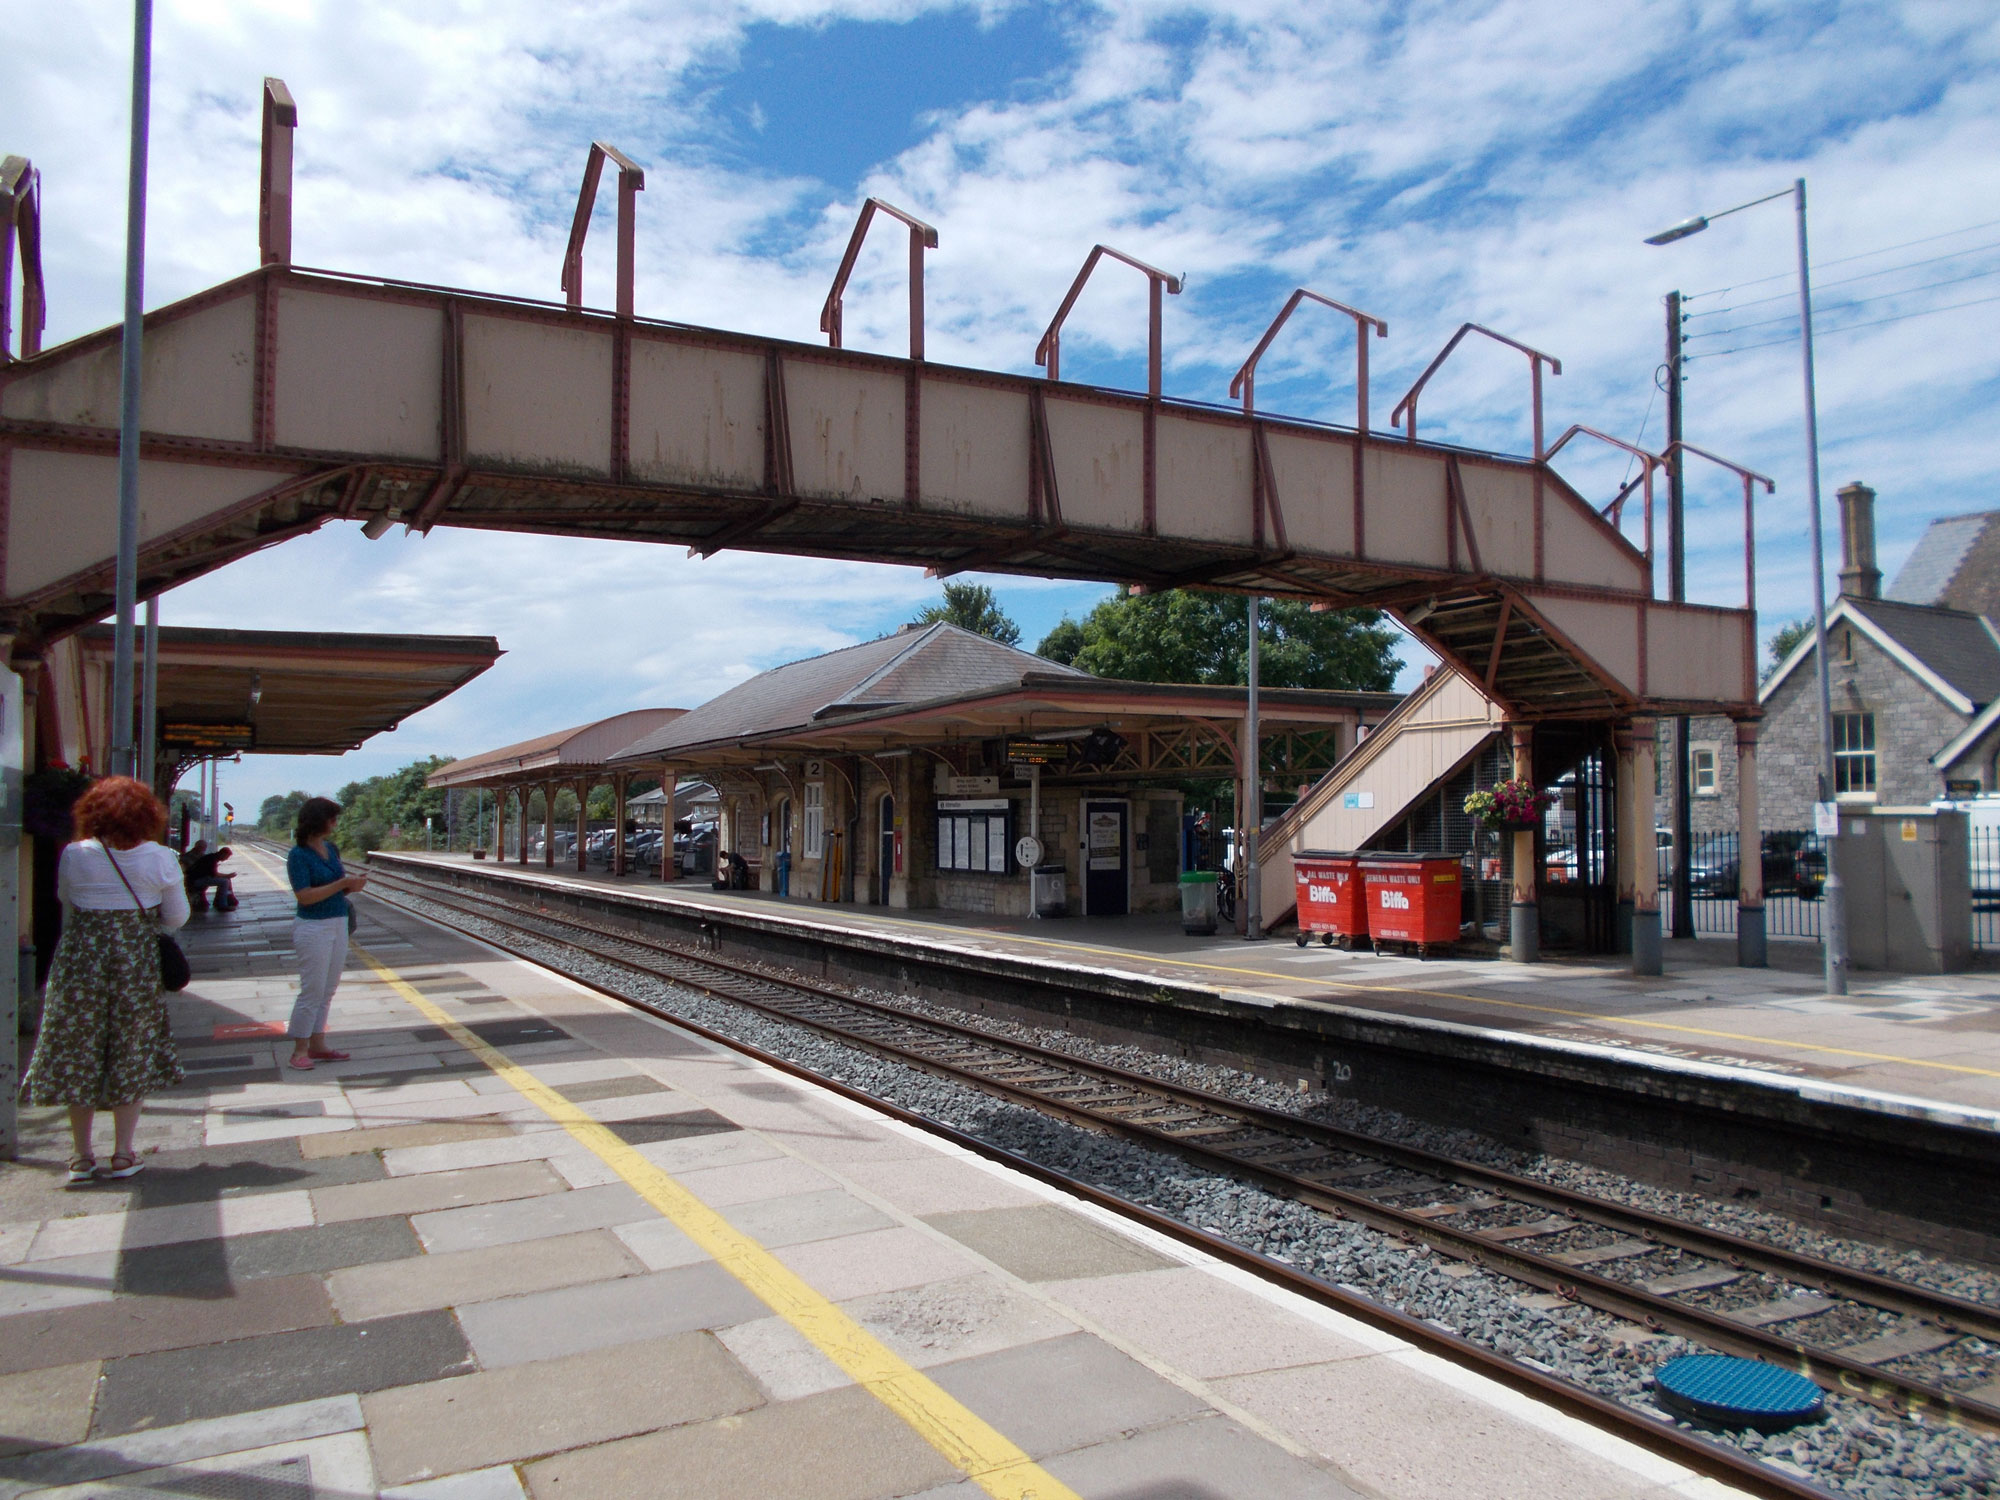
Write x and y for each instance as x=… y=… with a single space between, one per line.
x=1253 y=800
x=1683 y=874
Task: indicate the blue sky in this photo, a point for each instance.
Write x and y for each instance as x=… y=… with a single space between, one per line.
x=1433 y=161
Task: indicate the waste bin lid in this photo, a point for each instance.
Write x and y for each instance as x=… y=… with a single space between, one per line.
x=1198 y=877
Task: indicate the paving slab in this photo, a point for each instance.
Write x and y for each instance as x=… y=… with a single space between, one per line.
x=775 y=1222
x=165 y=1226
x=549 y=1324
x=532 y=1218
x=435 y=1192
x=213 y=1268
x=497 y=1483
x=466 y=1276
x=397 y=1137
x=141 y=1325
x=527 y=1411
x=778 y=1177
x=841 y=1445
x=938 y=1185
x=1046 y=1243
x=46 y=1408
x=1205 y=1458
x=135 y=1452
x=781 y=1359
x=1104 y=1393
x=882 y=1260
x=1398 y=1432
x=1216 y=1329
x=947 y=1320
x=69 y=1281
x=213 y=1380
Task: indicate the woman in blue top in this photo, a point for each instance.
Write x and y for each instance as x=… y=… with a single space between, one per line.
x=319 y=931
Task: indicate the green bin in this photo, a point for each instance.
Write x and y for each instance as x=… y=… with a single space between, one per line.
x=1198 y=903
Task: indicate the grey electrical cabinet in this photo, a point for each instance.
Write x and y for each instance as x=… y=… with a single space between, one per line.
x=1908 y=878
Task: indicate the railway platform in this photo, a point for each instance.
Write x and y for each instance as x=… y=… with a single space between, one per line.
x=529 y=1242
x=1923 y=1046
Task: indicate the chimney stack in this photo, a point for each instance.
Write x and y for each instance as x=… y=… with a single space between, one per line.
x=1858 y=574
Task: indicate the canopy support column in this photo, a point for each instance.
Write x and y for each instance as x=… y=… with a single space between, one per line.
x=1750 y=945
x=582 y=820
x=670 y=779
x=619 y=780
x=1646 y=888
x=523 y=791
x=1632 y=842
x=1524 y=914
x=548 y=825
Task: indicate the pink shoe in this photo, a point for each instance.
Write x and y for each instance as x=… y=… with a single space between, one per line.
x=302 y=1062
x=329 y=1056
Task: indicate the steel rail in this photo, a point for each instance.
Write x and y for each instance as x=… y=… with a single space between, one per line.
x=1702 y=1454
x=1607 y=1294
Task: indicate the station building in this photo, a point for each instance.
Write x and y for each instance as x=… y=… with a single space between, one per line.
x=911 y=771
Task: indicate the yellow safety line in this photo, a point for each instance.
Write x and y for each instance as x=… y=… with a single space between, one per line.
x=965 y=1439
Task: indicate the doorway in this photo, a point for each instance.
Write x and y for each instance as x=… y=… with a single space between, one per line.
x=885 y=857
x=1106 y=874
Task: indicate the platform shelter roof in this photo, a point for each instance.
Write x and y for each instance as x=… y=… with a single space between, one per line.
x=287 y=692
x=939 y=685
x=567 y=754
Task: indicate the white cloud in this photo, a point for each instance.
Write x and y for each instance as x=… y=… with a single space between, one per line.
x=1491 y=160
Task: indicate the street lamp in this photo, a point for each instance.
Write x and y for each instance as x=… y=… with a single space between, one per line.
x=1835 y=893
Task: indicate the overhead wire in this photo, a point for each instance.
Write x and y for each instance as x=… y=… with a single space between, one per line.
x=1834 y=307
x=1820 y=286
x=1819 y=332
x=1845 y=259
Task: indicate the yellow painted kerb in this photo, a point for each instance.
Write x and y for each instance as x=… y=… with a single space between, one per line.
x=971 y=1444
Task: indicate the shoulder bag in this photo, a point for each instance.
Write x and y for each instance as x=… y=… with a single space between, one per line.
x=174 y=969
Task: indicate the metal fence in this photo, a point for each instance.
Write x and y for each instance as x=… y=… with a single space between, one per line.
x=1794 y=874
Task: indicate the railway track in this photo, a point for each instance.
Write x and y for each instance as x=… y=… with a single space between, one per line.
x=1728 y=1292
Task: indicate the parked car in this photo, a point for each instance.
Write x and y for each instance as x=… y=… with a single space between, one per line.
x=1794 y=864
x=696 y=851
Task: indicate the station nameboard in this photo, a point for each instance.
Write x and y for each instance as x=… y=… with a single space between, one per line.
x=1037 y=752
x=185 y=736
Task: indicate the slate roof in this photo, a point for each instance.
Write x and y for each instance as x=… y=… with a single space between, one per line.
x=1960 y=648
x=912 y=666
x=1927 y=577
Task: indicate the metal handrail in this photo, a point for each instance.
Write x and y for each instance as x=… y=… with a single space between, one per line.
x=631 y=182
x=922 y=238
x=1615 y=510
x=1751 y=479
x=1536 y=359
x=21 y=223
x=1245 y=383
x=1049 y=351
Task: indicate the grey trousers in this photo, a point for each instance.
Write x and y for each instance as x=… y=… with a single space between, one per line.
x=321 y=947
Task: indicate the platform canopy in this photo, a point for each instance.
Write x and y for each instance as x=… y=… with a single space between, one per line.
x=285 y=692
x=566 y=756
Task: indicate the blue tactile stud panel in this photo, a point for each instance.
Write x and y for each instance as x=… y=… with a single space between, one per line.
x=1730 y=1392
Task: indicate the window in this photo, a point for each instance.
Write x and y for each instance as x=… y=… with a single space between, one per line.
x=1854 y=755
x=815 y=817
x=1702 y=770
x=976 y=836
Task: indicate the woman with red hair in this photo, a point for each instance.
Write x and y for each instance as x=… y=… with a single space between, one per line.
x=105 y=1041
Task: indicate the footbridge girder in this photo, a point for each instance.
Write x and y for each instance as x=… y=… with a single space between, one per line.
x=287 y=398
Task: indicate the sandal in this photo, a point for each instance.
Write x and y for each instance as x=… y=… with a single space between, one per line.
x=82 y=1169
x=300 y=1060
x=116 y=1173
x=330 y=1055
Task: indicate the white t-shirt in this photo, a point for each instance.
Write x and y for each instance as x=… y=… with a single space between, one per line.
x=86 y=881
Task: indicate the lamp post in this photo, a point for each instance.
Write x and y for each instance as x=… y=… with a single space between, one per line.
x=1835 y=893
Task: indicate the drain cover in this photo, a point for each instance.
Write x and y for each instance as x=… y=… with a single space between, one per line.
x=1732 y=1392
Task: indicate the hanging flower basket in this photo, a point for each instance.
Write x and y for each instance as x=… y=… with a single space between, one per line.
x=1512 y=806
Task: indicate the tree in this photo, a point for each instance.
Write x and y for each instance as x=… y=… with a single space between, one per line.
x=399 y=801
x=1182 y=636
x=971 y=606
x=1786 y=641
x=279 y=814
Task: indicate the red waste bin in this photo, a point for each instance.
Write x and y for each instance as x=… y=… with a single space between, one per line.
x=1413 y=899
x=1330 y=907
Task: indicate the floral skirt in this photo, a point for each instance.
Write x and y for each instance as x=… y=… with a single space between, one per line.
x=105 y=1037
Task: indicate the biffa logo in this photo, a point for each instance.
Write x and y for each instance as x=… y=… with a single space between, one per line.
x=1395 y=901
